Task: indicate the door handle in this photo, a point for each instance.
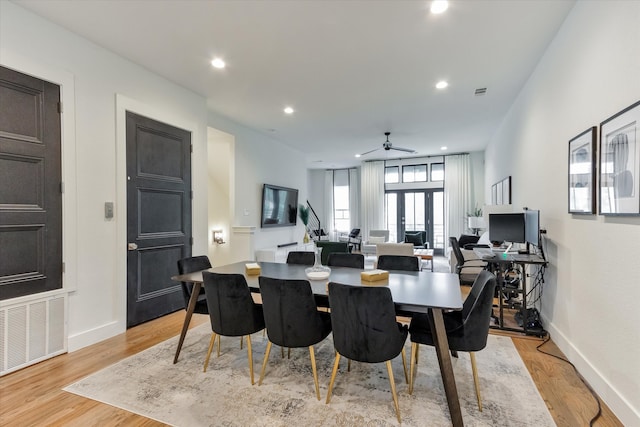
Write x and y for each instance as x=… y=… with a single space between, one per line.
x=132 y=246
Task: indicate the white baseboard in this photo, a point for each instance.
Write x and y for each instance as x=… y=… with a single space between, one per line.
x=621 y=407
x=95 y=335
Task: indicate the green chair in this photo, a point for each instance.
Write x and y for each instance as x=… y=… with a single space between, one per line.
x=331 y=247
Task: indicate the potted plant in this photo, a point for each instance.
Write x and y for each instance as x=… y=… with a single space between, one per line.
x=475 y=220
x=303 y=213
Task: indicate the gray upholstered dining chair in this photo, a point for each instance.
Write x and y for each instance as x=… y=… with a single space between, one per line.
x=189 y=265
x=301 y=258
x=292 y=319
x=365 y=329
x=399 y=262
x=338 y=259
x=467 y=330
x=232 y=311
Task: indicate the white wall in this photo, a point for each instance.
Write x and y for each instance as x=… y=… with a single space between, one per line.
x=590 y=303
x=103 y=85
x=260 y=159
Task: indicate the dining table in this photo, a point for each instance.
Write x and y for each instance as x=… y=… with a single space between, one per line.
x=412 y=292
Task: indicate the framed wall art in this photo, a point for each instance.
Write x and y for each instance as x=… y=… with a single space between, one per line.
x=582 y=172
x=501 y=192
x=620 y=163
x=506 y=190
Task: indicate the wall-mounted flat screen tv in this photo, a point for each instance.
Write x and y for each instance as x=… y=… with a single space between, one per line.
x=279 y=206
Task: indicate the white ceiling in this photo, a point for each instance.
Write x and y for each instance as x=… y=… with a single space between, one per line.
x=351 y=69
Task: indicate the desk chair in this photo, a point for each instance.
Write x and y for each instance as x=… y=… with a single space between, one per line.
x=466 y=269
x=365 y=329
x=292 y=318
x=467 y=330
x=232 y=311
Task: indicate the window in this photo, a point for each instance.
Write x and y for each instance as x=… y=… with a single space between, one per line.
x=341 y=217
x=414 y=173
x=391 y=175
x=437 y=172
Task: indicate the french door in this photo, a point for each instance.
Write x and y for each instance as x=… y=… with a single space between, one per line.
x=411 y=210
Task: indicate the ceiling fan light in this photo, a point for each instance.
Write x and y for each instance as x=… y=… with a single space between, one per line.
x=442 y=84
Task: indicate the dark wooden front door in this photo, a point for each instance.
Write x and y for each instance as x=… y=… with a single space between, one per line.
x=158 y=216
x=30 y=185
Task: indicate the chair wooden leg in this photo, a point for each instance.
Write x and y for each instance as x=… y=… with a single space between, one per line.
x=414 y=362
x=241 y=338
x=289 y=353
x=404 y=366
x=476 y=382
x=219 y=346
x=333 y=376
x=282 y=352
x=348 y=365
x=313 y=369
x=393 y=390
x=250 y=355
x=211 y=343
x=264 y=363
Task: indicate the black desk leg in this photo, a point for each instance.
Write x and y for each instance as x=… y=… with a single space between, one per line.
x=446 y=369
x=187 y=317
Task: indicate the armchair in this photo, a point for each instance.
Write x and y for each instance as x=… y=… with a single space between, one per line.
x=375 y=237
x=418 y=238
x=353 y=239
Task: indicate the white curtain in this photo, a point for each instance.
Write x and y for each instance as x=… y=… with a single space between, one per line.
x=354 y=199
x=372 y=197
x=328 y=203
x=457 y=193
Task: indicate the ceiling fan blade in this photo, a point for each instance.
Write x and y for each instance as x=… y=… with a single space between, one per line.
x=370 y=151
x=407 y=150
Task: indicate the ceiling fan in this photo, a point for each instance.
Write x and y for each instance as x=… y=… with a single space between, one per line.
x=388 y=146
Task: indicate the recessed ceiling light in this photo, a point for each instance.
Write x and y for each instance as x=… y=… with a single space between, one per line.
x=443 y=148
x=439 y=6
x=288 y=110
x=357 y=155
x=441 y=84
x=218 y=63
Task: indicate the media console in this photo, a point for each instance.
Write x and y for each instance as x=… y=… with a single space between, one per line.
x=279 y=253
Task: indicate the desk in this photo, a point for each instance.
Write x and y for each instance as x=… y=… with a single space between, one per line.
x=497 y=264
x=415 y=292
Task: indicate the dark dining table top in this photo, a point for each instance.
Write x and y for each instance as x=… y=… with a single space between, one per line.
x=411 y=291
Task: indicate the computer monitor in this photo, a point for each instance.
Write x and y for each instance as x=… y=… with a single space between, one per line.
x=507 y=227
x=532 y=227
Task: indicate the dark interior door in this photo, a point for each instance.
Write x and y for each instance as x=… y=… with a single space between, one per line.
x=30 y=185
x=158 y=216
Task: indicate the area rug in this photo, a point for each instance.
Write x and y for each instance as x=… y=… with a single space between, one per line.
x=149 y=384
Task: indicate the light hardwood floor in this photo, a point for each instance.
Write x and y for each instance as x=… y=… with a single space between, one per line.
x=34 y=396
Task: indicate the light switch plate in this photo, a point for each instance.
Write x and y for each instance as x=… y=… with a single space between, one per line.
x=108 y=210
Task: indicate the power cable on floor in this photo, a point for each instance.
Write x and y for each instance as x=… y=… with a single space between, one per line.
x=593 y=393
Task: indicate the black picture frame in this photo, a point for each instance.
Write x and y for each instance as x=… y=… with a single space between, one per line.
x=619 y=177
x=581 y=173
